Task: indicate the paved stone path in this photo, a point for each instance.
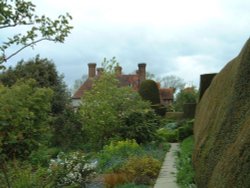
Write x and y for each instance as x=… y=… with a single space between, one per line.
x=167 y=176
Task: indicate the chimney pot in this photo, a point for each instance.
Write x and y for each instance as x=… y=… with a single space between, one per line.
x=142 y=71
x=92 y=70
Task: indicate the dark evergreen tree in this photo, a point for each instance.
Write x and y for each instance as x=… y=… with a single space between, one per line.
x=149 y=91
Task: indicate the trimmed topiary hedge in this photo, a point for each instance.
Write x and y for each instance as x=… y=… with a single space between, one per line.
x=222 y=146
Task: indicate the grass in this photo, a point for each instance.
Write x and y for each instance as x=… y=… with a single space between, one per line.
x=185 y=174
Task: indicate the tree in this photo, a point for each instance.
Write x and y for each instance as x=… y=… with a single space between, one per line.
x=172 y=81
x=187 y=95
x=24 y=117
x=106 y=108
x=150 y=76
x=149 y=91
x=21 y=13
x=44 y=72
x=64 y=124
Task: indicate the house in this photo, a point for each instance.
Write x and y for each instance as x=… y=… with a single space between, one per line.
x=166 y=96
x=131 y=80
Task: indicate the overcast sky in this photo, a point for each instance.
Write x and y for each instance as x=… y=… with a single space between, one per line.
x=174 y=37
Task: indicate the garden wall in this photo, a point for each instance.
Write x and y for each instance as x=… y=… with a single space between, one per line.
x=221 y=156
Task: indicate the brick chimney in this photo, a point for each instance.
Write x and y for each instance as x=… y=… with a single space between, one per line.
x=100 y=71
x=118 y=70
x=92 y=70
x=142 y=71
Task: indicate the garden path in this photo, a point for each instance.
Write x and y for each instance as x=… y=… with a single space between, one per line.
x=167 y=176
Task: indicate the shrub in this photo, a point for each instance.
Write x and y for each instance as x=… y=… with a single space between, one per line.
x=43 y=155
x=142 y=170
x=24 y=118
x=150 y=91
x=156 y=150
x=114 y=155
x=21 y=175
x=140 y=126
x=71 y=170
x=186 y=129
x=167 y=135
x=114 y=179
x=160 y=109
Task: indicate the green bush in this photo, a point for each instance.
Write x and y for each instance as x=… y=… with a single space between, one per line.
x=21 y=175
x=167 y=135
x=160 y=109
x=43 y=155
x=112 y=157
x=149 y=91
x=142 y=170
x=185 y=130
x=140 y=126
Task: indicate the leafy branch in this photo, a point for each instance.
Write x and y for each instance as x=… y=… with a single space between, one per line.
x=16 y=13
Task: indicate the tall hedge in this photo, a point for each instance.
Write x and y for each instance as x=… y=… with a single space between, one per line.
x=222 y=128
x=149 y=91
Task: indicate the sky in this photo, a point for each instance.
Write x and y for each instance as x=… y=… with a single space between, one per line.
x=185 y=38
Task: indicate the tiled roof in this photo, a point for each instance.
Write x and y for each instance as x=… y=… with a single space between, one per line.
x=129 y=80
x=124 y=80
x=87 y=85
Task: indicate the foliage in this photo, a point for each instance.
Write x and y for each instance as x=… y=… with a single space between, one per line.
x=115 y=154
x=157 y=150
x=42 y=155
x=23 y=175
x=115 y=179
x=187 y=95
x=106 y=106
x=167 y=135
x=44 y=72
x=24 y=115
x=149 y=91
x=68 y=133
x=140 y=126
x=65 y=123
x=174 y=132
x=72 y=169
x=17 y=13
x=142 y=170
x=185 y=174
x=221 y=130
x=160 y=109
x=172 y=81
x=186 y=129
